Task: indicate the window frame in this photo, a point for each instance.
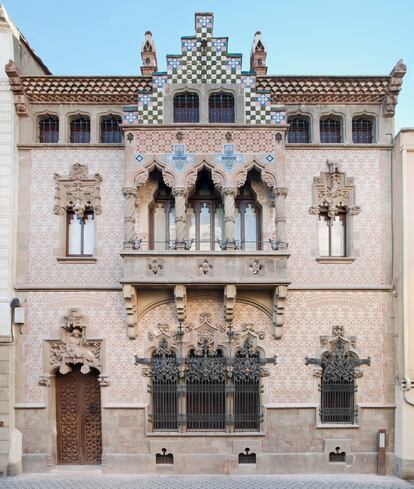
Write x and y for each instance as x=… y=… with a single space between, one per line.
x=339 y=119
x=187 y=120
x=69 y=213
x=110 y=117
x=222 y=94
x=366 y=118
x=72 y=119
x=342 y=213
x=42 y=118
x=304 y=118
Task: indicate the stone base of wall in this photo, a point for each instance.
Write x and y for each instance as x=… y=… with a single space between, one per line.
x=291 y=443
x=404 y=468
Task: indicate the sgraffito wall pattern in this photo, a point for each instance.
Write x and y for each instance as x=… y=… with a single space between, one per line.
x=43 y=224
x=311 y=315
x=371 y=227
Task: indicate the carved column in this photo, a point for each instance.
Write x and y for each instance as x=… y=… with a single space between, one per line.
x=180 y=194
x=130 y=195
x=229 y=195
x=280 y=194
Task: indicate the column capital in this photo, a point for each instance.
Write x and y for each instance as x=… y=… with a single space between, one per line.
x=180 y=192
x=229 y=191
x=129 y=191
x=280 y=192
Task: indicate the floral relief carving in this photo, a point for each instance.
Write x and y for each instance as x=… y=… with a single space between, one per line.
x=78 y=191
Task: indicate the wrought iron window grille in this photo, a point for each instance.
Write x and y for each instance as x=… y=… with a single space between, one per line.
x=247 y=457
x=164 y=457
x=337 y=456
x=339 y=371
x=208 y=389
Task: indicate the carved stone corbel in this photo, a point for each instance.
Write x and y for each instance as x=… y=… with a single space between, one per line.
x=391 y=98
x=180 y=296
x=21 y=102
x=130 y=301
x=279 y=305
x=230 y=292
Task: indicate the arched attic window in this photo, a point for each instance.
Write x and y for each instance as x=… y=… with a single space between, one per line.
x=80 y=129
x=110 y=131
x=362 y=130
x=330 y=128
x=221 y=108
x=48 y=129
x=299 y=129
x=186 y=107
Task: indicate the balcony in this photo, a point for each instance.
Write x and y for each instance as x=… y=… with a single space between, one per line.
x=218 y=267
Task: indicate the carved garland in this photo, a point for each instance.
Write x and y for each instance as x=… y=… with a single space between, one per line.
x=77 y=192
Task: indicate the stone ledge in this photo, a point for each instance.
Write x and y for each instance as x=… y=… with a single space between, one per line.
x=75 y=260
x=335 y=260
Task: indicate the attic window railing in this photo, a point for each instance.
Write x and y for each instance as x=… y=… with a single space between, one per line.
x=207 y=390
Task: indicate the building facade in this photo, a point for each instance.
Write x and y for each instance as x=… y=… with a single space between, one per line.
x=205 y=260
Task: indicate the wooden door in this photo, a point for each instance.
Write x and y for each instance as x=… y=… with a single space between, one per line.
x=78 y=411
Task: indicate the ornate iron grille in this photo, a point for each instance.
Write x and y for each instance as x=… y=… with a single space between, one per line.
x=80 y=130
x=186 y=107
x=49 y=130
x=110 y=131
x=298 y=130
x=362 y=131
x=330 y=130
x=206 y=391
x=337 y=456
x=247 y=457
x=164 y=457
x=206 y=395
x=221 y=108
x=338 y=383
x=164 y=389
x=247 y=389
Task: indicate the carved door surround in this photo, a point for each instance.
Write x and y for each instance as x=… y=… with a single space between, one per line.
x=78 y=416
x=73 y=349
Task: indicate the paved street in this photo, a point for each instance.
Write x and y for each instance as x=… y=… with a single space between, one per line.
x=203 y=482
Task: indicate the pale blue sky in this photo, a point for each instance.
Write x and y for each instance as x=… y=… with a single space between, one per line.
x=303 y=37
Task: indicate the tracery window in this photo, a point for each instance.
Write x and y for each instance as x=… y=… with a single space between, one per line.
x=299 y=129
x=332 y=233
x=80 y=129
x=206 y=390
x=205 y=215
x=80 y=233
x=49 y=129
x=247 y=219
x=186 y=107
x=110 y=131
x=362 y=130
x=221 y=108
x=162 y=228
x=330 y=129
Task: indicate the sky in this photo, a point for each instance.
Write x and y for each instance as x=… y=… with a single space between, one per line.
x=303 y=37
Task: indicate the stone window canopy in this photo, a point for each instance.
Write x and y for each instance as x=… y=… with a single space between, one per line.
x=77 y=192
x=334 y=191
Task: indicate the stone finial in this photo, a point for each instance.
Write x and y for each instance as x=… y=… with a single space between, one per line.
x=258 y=55
x=148 y=55
x=391 y=98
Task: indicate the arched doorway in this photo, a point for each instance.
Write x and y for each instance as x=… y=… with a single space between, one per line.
x=78 y=415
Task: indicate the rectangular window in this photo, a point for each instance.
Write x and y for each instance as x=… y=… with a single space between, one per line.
x=332 y=234
x=337 y=401
x=80 y=234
